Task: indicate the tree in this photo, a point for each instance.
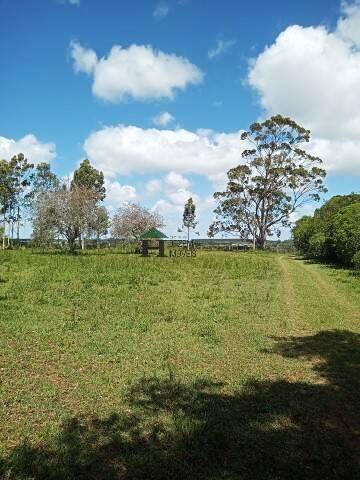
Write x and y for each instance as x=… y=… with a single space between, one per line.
x=189 y=216
x=99 y=223
x=277 y=178
x=345 y=227
x=87 y=176
x=44 y=180
x=317 y=245
x=332 y=232
x=132 y=220
x=23 y=175
x=302 y=232
x=65 y=213
x=6 y=195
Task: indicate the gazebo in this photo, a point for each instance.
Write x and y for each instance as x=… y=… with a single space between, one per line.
x=149 y=238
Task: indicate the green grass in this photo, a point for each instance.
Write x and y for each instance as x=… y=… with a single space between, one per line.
x=235 y=366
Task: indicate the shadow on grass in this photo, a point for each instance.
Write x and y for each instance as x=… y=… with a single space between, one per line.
x=326 y=263
x=270 y=430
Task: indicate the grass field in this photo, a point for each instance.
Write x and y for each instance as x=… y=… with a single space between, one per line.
x=223 y=366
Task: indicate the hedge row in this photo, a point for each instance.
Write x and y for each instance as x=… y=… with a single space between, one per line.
x=333 y=232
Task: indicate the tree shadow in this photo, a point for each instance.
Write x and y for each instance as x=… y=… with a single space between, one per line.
x=269 y=430
x=327 y=263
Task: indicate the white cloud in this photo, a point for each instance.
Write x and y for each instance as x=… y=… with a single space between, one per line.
x=75 y=2
x=306 y=210
x=342 y=156
x=180 y=196
x=177 y=189
x=139 y=72
x=84 y=60
x=126 y=149
x=117 y=194
x=164 y=207
x=172 y=207
x=161 y=11
x=163 y=119
x=174 y=181
x=221 y=47
x=153 y=187
x=313 y=75
x=349 y=25
x=33 y=149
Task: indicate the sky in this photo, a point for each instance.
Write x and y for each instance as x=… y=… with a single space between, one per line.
x=157 y=93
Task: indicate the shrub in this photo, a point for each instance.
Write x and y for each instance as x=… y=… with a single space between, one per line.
x=302 y=232
x=356 y=260
x=317 y=244
x=346 y=233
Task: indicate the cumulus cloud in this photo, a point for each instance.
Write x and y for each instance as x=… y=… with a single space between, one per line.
x=349 y=24
x=175 y=181
x=75 y=2
x=163 y=119
x=35 y=150
x=153 y=187
x=221 y=47
x=84 y=59
x=126 y=149
x=117 y=194
x=161 y=11
x=176 y=188
x=312 y=74
x=137 y=72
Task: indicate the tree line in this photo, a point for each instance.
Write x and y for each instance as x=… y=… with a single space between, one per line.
x=275 y=178
x=69 y=210
x=333 y=232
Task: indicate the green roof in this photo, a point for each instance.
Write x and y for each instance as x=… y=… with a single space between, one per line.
x=153 y=234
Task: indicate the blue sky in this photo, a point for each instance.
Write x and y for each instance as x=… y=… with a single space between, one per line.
x=156 y=93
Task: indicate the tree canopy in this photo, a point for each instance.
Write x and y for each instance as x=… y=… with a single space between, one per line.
x=132 y=220
x=87 y=176
x=333 y=233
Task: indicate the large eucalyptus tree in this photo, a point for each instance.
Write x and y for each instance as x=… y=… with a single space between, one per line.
x=277 y=177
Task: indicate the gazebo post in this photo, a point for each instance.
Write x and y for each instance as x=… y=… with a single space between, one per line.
x=144 y=248
x=161 y=248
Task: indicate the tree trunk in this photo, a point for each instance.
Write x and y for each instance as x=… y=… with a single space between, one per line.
x=260 y=242
x=9 y=234
x=18 y=226
x=71 y=240
x=4 y=232
x=71 y=244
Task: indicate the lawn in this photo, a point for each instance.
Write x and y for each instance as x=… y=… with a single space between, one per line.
x=224 y=366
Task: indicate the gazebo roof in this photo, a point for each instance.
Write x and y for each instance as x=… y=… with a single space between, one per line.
x=153 y=234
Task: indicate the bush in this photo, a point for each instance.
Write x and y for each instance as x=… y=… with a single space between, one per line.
x=317 y=245
x=302 y=232
x=346 y=233
x=333 y=233
x=356 y=261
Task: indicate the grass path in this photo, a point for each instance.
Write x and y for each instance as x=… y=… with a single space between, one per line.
x=194 y=368
x=316 y=295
